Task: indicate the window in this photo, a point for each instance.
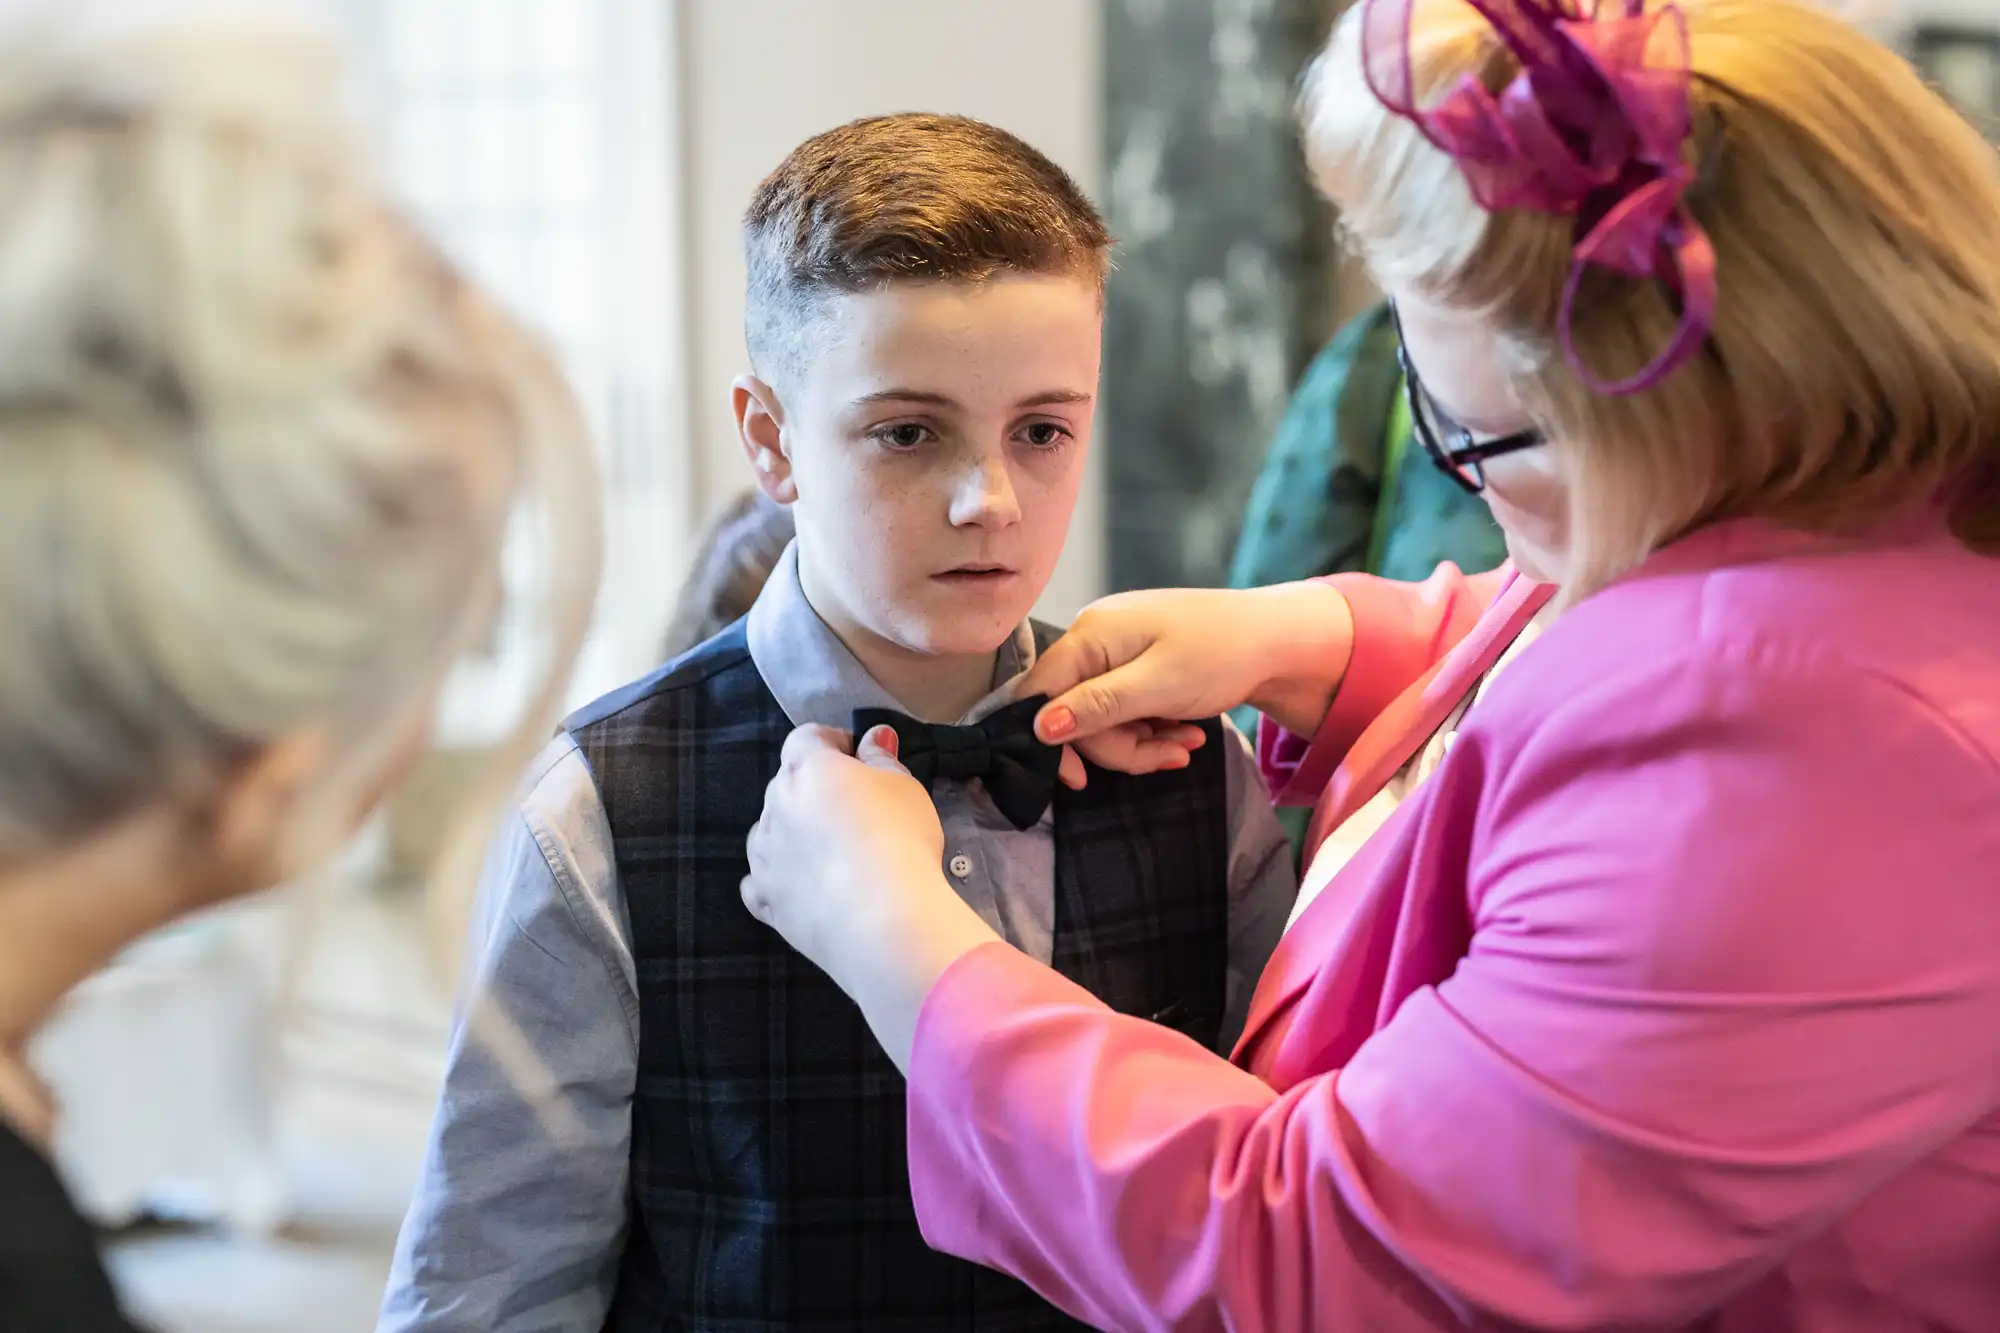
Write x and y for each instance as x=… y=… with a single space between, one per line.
x=538 y=139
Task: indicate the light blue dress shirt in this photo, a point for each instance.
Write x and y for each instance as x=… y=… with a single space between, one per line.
x=519 y=1217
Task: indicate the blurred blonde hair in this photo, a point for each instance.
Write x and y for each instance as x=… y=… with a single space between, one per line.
x=1853 y=373
x=259 y=443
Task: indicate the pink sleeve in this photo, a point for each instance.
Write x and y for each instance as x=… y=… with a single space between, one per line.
x=1401 y=630
x=1692 y=1031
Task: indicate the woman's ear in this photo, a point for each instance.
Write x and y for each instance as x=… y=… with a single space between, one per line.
x=291 y=806
x=254 y=821
x=760 y=429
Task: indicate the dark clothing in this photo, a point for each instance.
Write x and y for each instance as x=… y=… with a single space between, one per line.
x=769 y=1179
x=51 y=1279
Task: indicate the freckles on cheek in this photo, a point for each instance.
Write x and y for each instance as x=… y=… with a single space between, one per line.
x=888 y=531
x=1049 y=503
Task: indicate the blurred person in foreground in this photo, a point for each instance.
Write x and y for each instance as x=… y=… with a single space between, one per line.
x=1648 y=973
x=258 y=447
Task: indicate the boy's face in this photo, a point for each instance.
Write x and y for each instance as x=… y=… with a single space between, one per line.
x=933 y=451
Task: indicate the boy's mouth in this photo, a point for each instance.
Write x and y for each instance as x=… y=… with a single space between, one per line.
x=976 y=575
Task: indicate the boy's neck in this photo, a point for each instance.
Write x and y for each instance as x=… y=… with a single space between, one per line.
x=930 y=687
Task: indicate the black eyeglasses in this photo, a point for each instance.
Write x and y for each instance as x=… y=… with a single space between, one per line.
x=1450 y=445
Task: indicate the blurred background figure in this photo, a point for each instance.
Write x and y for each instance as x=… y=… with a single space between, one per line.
x=588 y=161
x=731 y=566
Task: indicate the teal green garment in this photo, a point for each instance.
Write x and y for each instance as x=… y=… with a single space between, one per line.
x=1312 y=509
x=1426 y=518
x=1402 y=432
x=1345 y=488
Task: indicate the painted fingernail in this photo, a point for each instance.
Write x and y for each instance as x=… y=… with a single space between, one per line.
x=1058 y=724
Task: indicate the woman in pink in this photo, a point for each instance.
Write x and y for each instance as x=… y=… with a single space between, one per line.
x=1648 y=975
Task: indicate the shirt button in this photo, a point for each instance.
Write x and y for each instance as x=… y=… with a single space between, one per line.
x=960 y=866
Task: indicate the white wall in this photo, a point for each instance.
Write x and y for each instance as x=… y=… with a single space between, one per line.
x=1967 y=13
x=763 y=75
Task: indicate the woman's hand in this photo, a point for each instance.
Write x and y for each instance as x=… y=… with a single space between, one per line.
x=847 y=864
x=1134 y=666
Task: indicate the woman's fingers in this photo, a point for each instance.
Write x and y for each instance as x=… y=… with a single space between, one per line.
x=1076 y=657
x=1156 y=755
x=1115 y=699
x=811 y=740
x=1114 y=750
x=1072 y=771
x=1187 y=735
x=1143 y=661
x=1141 y=747
x=1145 y=746
x=880 y=749
x=1170 y=744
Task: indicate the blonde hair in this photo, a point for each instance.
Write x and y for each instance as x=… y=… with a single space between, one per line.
x=259 y=443
x=1853 y=372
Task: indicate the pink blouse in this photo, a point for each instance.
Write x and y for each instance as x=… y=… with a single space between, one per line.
x=1672 y=996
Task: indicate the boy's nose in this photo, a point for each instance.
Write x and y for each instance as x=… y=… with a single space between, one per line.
x=986 y=497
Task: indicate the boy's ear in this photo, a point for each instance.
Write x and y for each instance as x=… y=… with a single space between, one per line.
x=760 y=429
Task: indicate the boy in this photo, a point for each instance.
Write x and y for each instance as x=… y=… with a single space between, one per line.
x=924 y=319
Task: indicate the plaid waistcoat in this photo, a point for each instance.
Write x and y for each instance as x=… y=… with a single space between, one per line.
x=770 y=1187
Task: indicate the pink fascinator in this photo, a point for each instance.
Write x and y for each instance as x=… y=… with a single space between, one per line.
x=1593 y=128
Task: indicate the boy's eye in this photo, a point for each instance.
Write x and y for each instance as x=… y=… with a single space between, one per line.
x=1045 y=434
x=903 y=435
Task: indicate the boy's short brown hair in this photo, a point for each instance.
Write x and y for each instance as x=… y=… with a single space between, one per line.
x=905 y=198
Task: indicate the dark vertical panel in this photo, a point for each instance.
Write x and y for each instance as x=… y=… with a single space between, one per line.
x=1224 y=286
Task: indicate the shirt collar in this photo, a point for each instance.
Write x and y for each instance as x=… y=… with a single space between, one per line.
x=819 y=682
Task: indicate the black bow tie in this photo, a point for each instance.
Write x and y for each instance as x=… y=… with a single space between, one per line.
x=1001 y=751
